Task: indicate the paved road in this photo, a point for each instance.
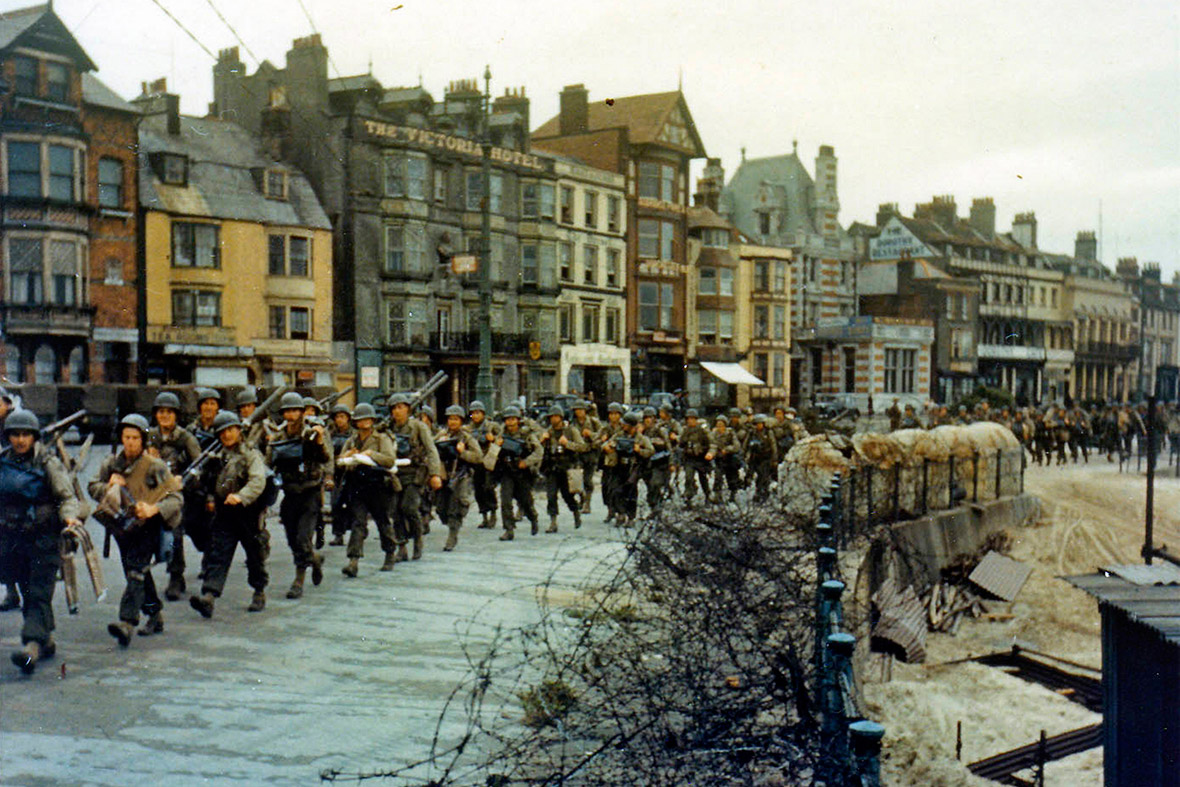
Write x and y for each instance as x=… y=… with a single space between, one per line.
x=353 y=676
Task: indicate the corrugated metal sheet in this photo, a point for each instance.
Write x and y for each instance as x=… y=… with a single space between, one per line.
x=1155 y=574
x=1000 y=576
x=1155 y=606
x=901 y=621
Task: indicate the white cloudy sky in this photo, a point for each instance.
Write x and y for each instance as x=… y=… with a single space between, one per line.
x=1055 y=106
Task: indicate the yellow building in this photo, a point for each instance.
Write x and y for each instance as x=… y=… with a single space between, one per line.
x=237 y=254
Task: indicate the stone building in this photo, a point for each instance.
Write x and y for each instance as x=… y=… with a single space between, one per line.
x=650 y=140
x=1159 y=318
x=237 y=255
x=775 y=202
x=399 y=175
x=68 y=228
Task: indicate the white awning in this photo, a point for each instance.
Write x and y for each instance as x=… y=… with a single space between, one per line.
x=731 y=373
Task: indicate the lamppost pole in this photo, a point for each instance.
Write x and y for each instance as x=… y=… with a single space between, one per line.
x=483 y=381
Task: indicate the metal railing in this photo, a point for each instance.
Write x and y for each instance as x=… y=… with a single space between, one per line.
x=851 y=743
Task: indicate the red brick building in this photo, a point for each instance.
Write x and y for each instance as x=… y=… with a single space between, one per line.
x=651 y=139
x=67 y=232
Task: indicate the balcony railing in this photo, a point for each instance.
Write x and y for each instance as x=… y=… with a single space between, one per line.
x=511 y=344
x=1107 y=351
x=47 y=318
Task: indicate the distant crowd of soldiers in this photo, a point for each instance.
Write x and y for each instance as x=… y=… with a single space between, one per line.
x=215 y=479
x=1057 y=432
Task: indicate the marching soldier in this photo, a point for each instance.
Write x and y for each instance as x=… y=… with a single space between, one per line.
x=301 y=455
x=367 y=489
x=414 y=440
x=177 y=448
x=36 y=501
x=612 y=428
x=460 y=453
x=657 y=470
x=485 y=432
x=699 y=449
x=235 y=502
x=894 y=413
x=208 y=406
x=339 y=430
x=623 y=454
x=909 y=419
x=564 y=445
x=588 y=426
x=672 y=428
x=729 y=458
x=12 y=599
x=761 y=455
x=518 y=455
x=149 y=501
x=425 y=414
x=781 y=431
x=246 y=402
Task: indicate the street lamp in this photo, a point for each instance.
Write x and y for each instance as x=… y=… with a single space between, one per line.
x=483 y=381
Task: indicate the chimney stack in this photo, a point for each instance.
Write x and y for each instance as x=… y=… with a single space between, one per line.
x=1024 y=229
x=1128 y=267
x=575 y=109
x=1085 y=246
x=885 y=211
x=709 y=185
x=941 y=210
x=983 y=216
x=155 y=99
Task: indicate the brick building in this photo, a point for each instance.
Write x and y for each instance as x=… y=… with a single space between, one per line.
x=650 y=139
x=68 y=225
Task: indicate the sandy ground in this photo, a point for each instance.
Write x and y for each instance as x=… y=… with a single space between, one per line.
x=1091 y=515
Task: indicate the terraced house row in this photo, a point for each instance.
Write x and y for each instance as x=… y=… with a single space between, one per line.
x=329 y=231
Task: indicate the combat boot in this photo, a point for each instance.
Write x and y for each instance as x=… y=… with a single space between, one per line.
x=552 y=525
x=417 y=548
x=202 y=604
x=175 y=587
x=452 y=539
x=27 y=657
x=534 y=528
x=296 y=590
x=12 y=600
x=121 y=631
x=390 y=561
x=401 y=553
x=48 y=649
x=337 y=540
x=586 y=504
x=258 y=603
x=577 y=519
x=351 y=569
x=492 y=517
x=319 y=537
x=483 y=523
x=317 y=569
x=508 y=535
x=153 y=625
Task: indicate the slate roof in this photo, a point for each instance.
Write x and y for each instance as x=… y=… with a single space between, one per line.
x=643 y=116
x=792 y=186
x=221 y=182
x=15 y=23
x=701 y=217
x=95 y=93
x=346 y=84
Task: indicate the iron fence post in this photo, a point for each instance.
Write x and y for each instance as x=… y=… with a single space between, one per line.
x=866 y=751
x=925 y=485
x=975 y=476
x=896 y=491
x=950 y=484
x=999 y=465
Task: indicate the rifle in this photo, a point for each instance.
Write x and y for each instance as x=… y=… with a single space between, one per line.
x=432 y=385
x=334 y=397
x=215 y=447
x=63 y=424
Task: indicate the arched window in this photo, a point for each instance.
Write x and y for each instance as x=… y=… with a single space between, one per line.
x=14 y=370
x=77 y=366
x=45 y=365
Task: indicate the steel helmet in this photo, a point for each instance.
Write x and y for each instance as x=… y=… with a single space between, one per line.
x=649 y=412
x=631 y=418
x=136 y=420
x=476 y=405
x=512 y=411
x=455 y=409
x=291 y=401
x=362 y=411
x=555 y=409
x=692 y=413
x=426 y=410
x=342 y=408
x=615 y=407
x=224 y=420
x=166 y=399
x=248 y=395
x=399 y=398
x=311 y=401
x=22 y=421
x=208 y=393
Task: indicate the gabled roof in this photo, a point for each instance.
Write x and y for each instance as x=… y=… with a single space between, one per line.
x=348 y=84
x=95 y=93
x=787 y=183
x=39 y=28
x=643 y=116
x=223 y=158
x=701 y=217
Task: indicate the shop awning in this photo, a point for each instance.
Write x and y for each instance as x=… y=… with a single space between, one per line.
x=731 y=373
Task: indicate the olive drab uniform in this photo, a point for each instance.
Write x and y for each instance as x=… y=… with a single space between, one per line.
x=415 y=442
x=457 y=492
x=556 y=463
x=177 y=449
x=894 y=414
x=242 y=472
x=368 y=491
x=339 y=519
x=147 y=479
x=762 y=457
x=36 y=498
x=657 y=470
x=673 y=429
x=588 y=428
x=606 y=433
x=482 y=482
x=516 y=482
x=623 y=455
x=301 y=461
x=196 y=519
x=696 y=443
x=728 y=461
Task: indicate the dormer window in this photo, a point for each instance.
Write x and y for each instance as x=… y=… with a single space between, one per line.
x=24 y=76
x=57 y=82
x=174 y=169
x=276 y=184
